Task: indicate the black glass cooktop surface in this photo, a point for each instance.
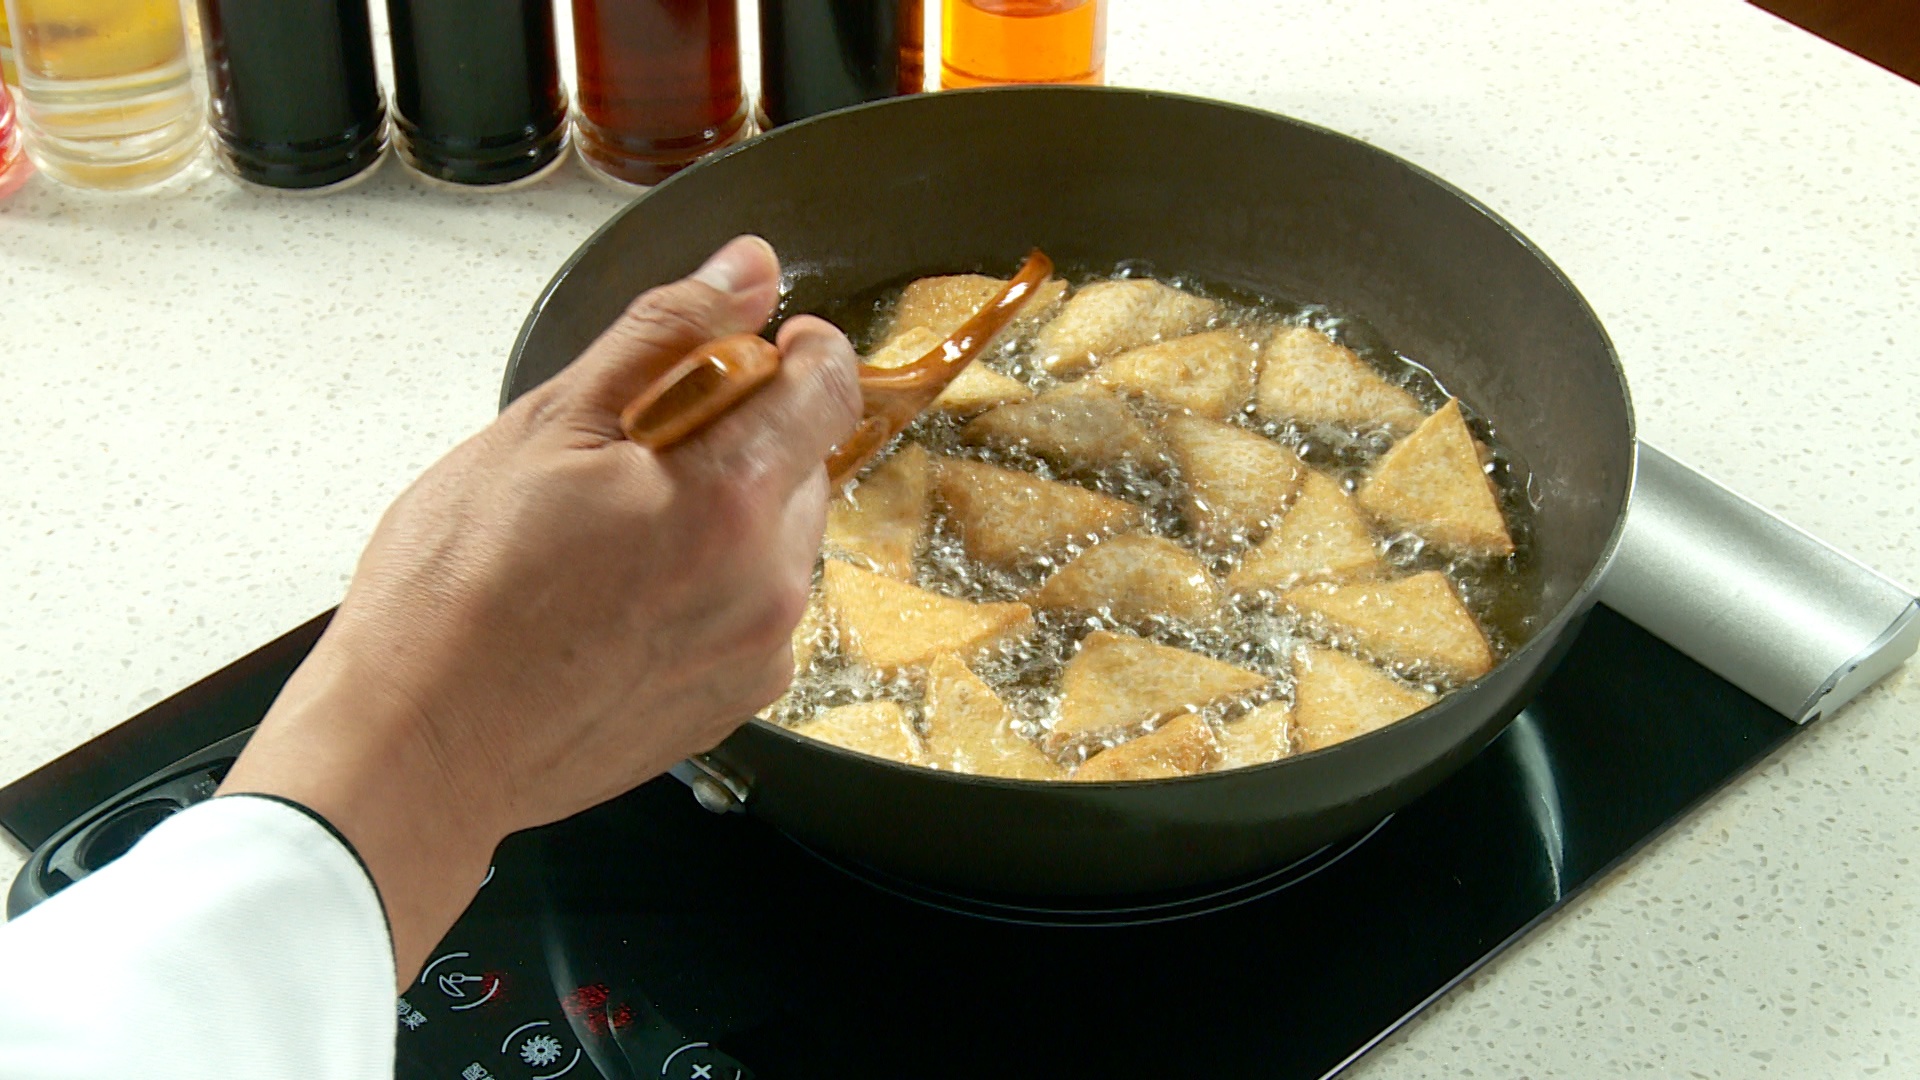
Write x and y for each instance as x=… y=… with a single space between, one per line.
x=650 y=938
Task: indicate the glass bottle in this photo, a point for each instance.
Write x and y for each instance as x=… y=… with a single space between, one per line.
x=9 y=76
x=659 y=84
x=106 y=94
x=15 y=166
x=817 y=55
x=992 y=42
x=296 y=103
x=477 y=95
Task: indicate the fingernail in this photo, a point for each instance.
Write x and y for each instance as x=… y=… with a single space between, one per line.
x=735 y=265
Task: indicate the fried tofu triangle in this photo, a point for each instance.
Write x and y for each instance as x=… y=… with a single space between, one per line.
x=889 y=625
x=879 y=523
x=1321 y=539
x=1180 y=747
x=1305 y=376
x=1118 y=681
x=1110 y=317
x=1208 y=374
x=968 y=729
x=1337 y=697
x=1432 y=483
x=1076 y=428
x=1417 y=620
x=1135 y=578
x=1236 y=483
x=1007 y=518
x=875 y=728
x=941 y=304
x=1264 y=734
x=809 y=634
x=977 y=387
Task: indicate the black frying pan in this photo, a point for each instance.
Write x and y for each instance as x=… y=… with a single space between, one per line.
x=971 y=181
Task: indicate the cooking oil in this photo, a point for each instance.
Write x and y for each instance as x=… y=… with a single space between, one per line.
x=1503 y=594
x=106 y=90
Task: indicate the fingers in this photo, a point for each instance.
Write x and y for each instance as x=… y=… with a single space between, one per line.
x=733 y=292
x=783 y=431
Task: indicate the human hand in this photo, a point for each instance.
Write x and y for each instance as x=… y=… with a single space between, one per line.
x=552 y=614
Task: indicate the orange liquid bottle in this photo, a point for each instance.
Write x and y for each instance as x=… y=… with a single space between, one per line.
x=991 y=42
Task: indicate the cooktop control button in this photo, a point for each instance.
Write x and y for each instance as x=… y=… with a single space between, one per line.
x=541 y=1048
x=463 y=989
x=700 y=1061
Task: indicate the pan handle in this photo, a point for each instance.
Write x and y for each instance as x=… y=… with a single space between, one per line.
x=713 y=787
x=1764 y=605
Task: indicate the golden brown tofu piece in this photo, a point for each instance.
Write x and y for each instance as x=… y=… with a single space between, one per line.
x=810 y=634
x=1208 y=374
x=1264 y=734
x=1118 y=681
x=889 y=625
x=1007 y=518
x=1417 y=620
x=968 y=728
x=1432 y=483
x=875 y=728
x=1321 y=538
x=1078 y=428
x=977 y=387
x=941 y=304
x=880 y=522
x=1107 y=318
x=1180 y=747
x=1134 y=578
x=1306 y=377
x=1337 y=697
x=1236 y=483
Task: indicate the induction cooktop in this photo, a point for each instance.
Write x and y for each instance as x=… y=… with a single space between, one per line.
x=650 y=938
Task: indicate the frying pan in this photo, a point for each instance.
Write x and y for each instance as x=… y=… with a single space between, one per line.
x=972 y=180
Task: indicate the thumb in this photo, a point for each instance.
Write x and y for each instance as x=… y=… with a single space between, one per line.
x=733 y=292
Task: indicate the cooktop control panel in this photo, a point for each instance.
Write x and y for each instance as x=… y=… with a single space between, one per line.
x=494 y=1002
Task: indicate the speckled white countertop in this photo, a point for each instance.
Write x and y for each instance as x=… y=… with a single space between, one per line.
x=211 y=395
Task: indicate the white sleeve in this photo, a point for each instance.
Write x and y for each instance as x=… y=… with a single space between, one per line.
x=240 y=938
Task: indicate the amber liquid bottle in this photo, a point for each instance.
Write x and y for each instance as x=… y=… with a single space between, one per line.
x=659 y=84
x=993 y=42
x=106 y=96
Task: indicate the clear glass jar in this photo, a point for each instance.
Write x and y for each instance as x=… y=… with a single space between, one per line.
x=107 y=98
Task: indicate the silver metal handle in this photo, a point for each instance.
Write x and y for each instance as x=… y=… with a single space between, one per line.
x=713 y=787
x=1759 y=602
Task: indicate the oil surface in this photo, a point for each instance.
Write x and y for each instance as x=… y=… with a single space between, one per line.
x=1503 y=594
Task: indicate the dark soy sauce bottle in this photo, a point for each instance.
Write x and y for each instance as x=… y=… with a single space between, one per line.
x=296 y=103
x=476 y=88
x=818 y=55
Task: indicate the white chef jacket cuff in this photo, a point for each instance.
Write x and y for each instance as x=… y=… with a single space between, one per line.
x=240 y=938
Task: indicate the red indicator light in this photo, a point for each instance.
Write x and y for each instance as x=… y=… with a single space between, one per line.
x=588 y=1004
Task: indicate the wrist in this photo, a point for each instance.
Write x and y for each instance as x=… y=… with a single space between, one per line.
x=341 y=741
